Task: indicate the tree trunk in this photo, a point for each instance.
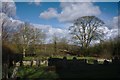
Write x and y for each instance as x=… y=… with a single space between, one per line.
x=24 y=52
x=5 y=71
x=55 y=47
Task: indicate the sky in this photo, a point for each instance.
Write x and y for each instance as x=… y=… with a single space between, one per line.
x=33 y=12
x=30 y=12
x=62 y=0
x=56 y=17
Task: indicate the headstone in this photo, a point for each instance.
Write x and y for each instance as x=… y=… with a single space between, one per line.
x=18 y=64
x=116 y=60
x=34 y=63
x=38 y=63
x=31 y=63
x=50 y=61
x=74 y=62
x=106 y=62
x=64 y=62
x=95 y=62
x=21 y=63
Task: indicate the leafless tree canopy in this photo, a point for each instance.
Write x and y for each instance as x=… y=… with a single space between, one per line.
x=28 y=36
x=84 y=30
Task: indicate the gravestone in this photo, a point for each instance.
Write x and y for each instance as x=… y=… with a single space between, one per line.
x=106 y=62
x=37 y=62
x=116 y=60
x=95 y=62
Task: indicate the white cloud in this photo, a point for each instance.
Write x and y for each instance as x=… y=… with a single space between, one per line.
x=10 y=23
x=115 y=22
x=104 y=29
x=6 y=0
x=76 y=0
x=50 y=13
x=4 y=20
x=9 y=9
x=108 y=33
x=37 y=2
x=89 y=0
x=112 y=34
x=50 y=31
x=71 y=11
x=16 y=23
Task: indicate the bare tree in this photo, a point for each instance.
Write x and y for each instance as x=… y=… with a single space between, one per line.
x=6 y=10
x=55 y=41
x=27 y=38
x=38 y=37
x=84 y=30
x=63 y=43
x=5 y=26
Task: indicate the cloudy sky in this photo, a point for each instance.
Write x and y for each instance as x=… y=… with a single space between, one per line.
x=57 y=14
x=56 y=17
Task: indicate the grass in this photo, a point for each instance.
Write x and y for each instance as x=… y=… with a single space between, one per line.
x=83 y=71
x=36 y=72
x=94 y=71
x=68 y=57
x=40 y=72
x=27 y=58
x=38 y=57
x=90 y=59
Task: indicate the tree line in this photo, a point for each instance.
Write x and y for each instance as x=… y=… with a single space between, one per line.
x=28 y=39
